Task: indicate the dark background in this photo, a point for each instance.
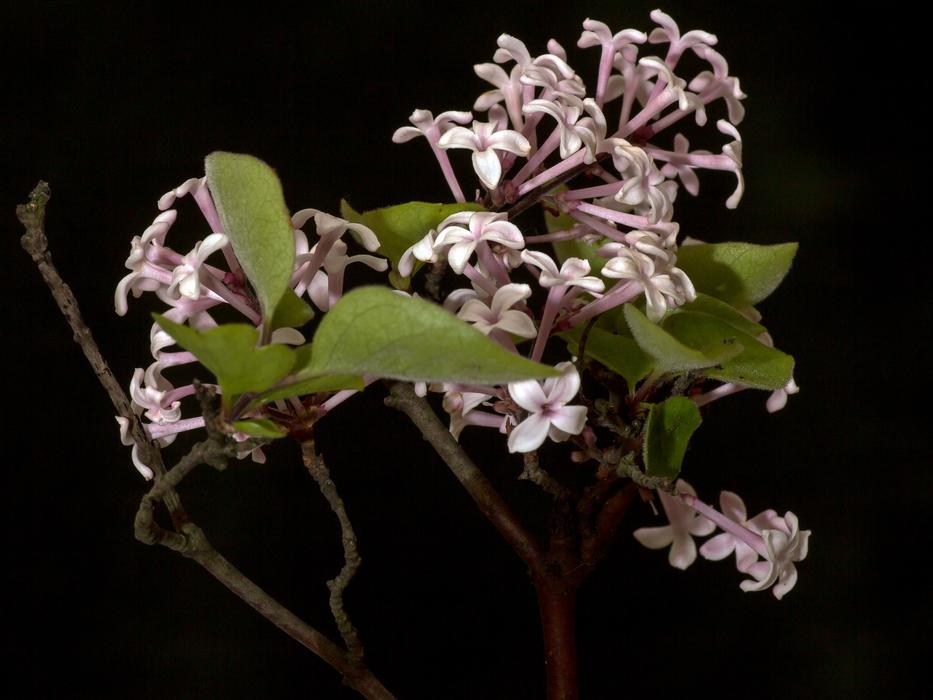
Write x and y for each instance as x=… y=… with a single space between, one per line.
x=114 y=105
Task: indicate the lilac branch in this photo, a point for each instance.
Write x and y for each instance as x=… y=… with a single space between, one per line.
x=32 y=216
x=492 y=505
x=187 y=538
x=315 y=465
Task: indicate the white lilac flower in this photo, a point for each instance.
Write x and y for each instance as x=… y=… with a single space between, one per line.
x=598 y=34
x=679 y=165
x=684 y=525
x=508 y=88
x=144 y=276
x=647 y=242
x=150 y=392
x=423 y=250
x=575 y=133
x=786 y=544
x=186 y=277
x=549 y=416
x=125 y=438
x=480 y=227
x=718 y=83
x=554 y=75
x=780 y=543
x=645 y=188
x=663 y=287
x=574 y=272
x=778 y=399
x=499 y=314
x=725 y=543
x=431 y=127
x=511 y=49
x=485 y=140
x=669 y=32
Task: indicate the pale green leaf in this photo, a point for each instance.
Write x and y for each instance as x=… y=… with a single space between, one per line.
x=230 y=353
x=667 y=432
x=251 y=206
x=712 y=306
x=304 y=385
x=741 y=274
x=260 y=427
x=618 y=353
x=291 y=312
x=669 y=353
x=756 y=365
x=399 y=227
x=375 y=331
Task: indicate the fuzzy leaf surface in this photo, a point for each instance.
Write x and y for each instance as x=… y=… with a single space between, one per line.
x=741 y=274
x=251 y=206
x=619 y=353
x=671 y=354
x=375 y=331
x=230 y=353
x=756 y=365
x=670 y=425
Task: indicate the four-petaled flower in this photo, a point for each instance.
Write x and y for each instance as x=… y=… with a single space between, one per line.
x=685 y=524
x=484 y=140
x=549 y=414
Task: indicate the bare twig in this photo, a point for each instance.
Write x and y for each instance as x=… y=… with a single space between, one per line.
x=491 y=504
x=32 y=216
x=536 y=475
x=315 y=464
x=187 y=538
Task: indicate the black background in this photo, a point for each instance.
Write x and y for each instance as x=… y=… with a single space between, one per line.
x=114 y=105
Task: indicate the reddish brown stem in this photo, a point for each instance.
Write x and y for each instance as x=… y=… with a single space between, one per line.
x=557 y=606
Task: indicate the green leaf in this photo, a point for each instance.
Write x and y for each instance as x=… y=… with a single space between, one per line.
x=712 y=306
x=741 y=274
x=375 y=331
x=667 y=432
x=230 y=353
x=301 y=382
x=401 y=226
x=302 y=385
x=669 y=353
x=260 y=427
x=756 y=365
x=620 y=354
x=292 y=311
x=251 y=206
x=574 y=247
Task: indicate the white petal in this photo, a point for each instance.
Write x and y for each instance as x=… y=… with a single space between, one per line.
x=528 y=394
x=655 y=537
x=488 y=167
x=562 y=389
x=517 y=323
x=529 y=434
x=570 y=419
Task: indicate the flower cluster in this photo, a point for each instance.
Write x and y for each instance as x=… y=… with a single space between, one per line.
x=608 y=161
x=765 y=546
x=193 y=288
x=543 y=129
x=546 y=138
